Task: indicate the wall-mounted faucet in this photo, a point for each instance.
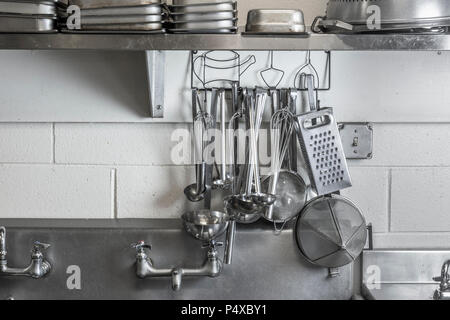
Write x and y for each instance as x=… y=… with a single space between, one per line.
x=443 y=293
x=212 y=267
x=38 y=267
x=203 y=225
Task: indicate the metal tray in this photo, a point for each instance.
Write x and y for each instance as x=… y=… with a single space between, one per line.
x=162 y=31
x=132 y=19
x=117 y=11
x=275 y=21
x=276 y=34
x=202 y=16
x=93 y=4
x=205 y=31
x=45 y=8
x=212 y=7
x=148 y=28
x=278 y=29
x=24 y=24
x=196 y=2
x=205 y=25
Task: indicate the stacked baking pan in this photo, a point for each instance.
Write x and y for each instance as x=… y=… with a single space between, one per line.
x=203 y=16
x=120 y=16
x=28 y=16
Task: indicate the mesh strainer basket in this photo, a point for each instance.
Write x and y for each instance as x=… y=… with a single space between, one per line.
x=331 y=231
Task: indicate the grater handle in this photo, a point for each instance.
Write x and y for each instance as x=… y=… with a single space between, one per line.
x=311 y=94
x=312 y=118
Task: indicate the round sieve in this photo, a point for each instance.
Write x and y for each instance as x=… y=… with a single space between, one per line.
x=291 y=191
x=331 y=231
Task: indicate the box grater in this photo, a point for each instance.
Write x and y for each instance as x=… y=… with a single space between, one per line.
x=322 y=150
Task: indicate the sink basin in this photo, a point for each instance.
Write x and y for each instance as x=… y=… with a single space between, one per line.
x=401 y=275
x=404 y=291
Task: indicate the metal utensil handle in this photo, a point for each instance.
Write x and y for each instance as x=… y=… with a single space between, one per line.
x=311 y=94
x=316 y=115
x=231 y=235
x=223 y=128
x=336 y=23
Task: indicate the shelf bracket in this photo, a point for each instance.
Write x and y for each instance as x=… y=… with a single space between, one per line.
x=155 y=62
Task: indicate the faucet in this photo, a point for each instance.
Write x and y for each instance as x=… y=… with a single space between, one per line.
x=443 y=293
x=212 y=267
x=38 y=267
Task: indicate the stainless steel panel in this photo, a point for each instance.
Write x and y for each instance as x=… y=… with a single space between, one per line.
x=357 y=140
x=156 y=76
x=102 y=250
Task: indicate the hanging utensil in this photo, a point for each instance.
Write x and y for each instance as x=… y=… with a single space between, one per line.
x=306 y=68
x=196 y=192
x=292 y=192
x=289 y=187
x=274 y=70
x=322 y=149
x=248 y=206
x=331 y=231
x=225 y=180
x=281 y=129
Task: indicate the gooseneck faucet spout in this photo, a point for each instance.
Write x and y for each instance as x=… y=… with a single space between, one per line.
x=38 y=267
x=443 y=293
x=2 y=243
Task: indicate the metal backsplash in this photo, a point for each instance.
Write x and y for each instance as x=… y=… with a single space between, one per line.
x=264 y=266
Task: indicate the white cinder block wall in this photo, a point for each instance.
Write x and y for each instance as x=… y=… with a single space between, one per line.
x=76 y=140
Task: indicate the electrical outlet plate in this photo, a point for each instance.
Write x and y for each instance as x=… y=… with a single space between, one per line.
x=357 y=140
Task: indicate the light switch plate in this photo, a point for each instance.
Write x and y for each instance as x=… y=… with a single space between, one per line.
x=357 y=140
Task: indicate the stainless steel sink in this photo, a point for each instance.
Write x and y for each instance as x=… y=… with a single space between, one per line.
x=401 y=275
x=93 y=259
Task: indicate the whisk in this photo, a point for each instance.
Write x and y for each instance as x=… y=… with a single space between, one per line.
x=256 y=112
x=202 y=122
x=281 y=130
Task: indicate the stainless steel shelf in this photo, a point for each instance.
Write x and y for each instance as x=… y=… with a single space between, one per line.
x=224 y=42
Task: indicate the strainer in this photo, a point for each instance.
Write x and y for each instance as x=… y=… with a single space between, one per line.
x=331 y=231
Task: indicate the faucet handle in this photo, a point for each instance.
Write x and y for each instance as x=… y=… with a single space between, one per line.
x=38 y=246
x=212 y=244
x=140 y=246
